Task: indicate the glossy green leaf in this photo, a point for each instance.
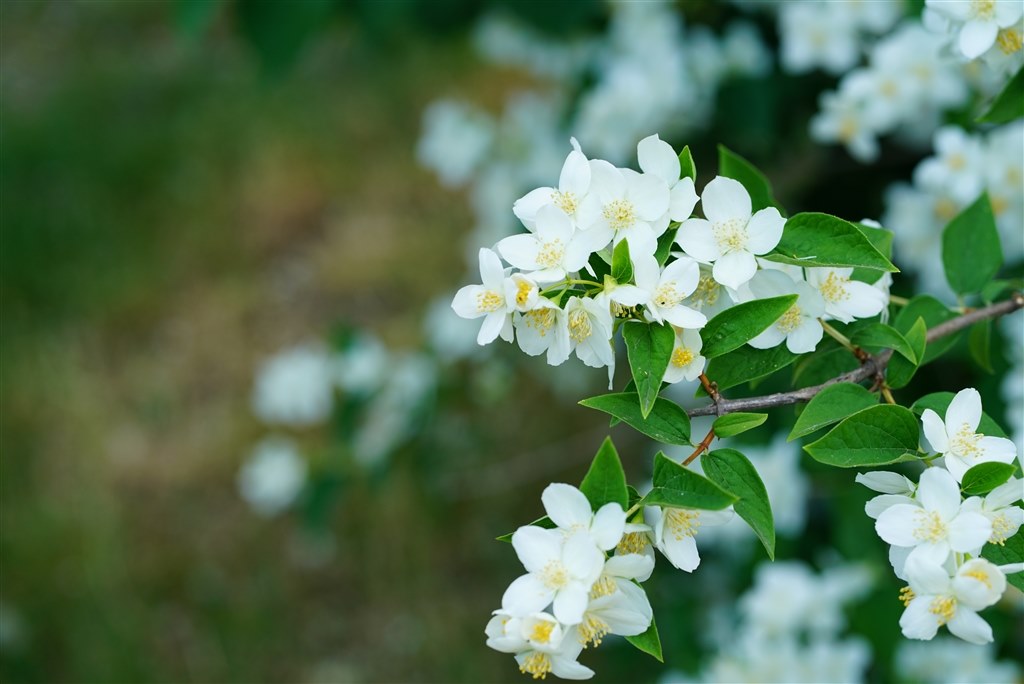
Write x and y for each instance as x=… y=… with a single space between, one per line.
x=979 y=342
x=731 y=165
x=622 y=266
x=933 y=312
x=1008 y=105
x=984 y=477
x=874 y=436
x=1010 y=551
x=739 y=324
x=666 y=243
x=666 y=423
x=746 y=364
x=878 y=336
x=900 y=371
x=735 y=423
x=649 y=642
x=605 y=482
x=648 y=348
x=880 y=239
x=971 y=253
x=687 y=167
x=734 y=472
x=679 y=487
x=831 y=405
x=939 y=402
x=813 y=239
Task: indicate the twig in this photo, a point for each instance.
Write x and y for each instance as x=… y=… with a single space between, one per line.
x=872 y=366
x=703 y=446
x=712 y=390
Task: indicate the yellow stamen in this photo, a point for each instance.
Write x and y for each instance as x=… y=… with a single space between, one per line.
x=944 y=607
x=682 y=522
x=541 y=632
x=536 y=664
x=730 y=235
x=489 y=301
x=566 y=201
x=906 y=595
x=620 y=214
x=592 y=631
x=682 y=357
x=632 y=542
x=579 y=325
x=790 y=320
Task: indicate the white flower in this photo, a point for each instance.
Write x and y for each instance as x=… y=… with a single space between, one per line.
x=711 y=297
x=560 y=569
x=552 y=251
x=541 y=644
x=544 y=328
x=573 y=186
x=957 y=169
x=730 y=236
x=590 y=333
x=686 y=363
x=813 y=35
x=561 y=663
x=934 y=599
x=894 y=488
x=570 y=510
x=799 y=327
x=624 y=204
x=997 y=506
x=656 y=157
x=935 y=524
x=980 y=19
x=668 y=289
x=624 y=611
x=455 y=139
x=675 y=529
x=957 y=437
x=844 y=118
x=273 y=476
x=846 y=299
x=295 y=387
x=490 y=300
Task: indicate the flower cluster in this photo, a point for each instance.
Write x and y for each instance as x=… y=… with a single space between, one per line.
x=829 y=34
x=992 y=30
x=937 y=535
x=545 y=303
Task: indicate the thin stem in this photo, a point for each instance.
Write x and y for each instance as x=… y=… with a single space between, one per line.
x=838 y=337
x=898 y=301
x=711 y=388
x=567 y=282
x=871 y=367
x=703 y=446
x=887 y=395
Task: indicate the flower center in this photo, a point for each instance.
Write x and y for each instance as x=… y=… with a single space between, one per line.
x=965 y=442
x=834 y=288
x=620 y=214
x=488 y=301
x=956 y=162
x=681 y=357
x=944 y=607
x=566 y=201
x=604 y=586
x=541 y=320
x=592 y=631
x=541 y=632
x=906 y=595
x=945 y=209
x=930 y=526
x=682 y=522
x=848 y=129
x=983 y=9
x=730 y=235
x=980 y=575
x=706 y=293
x=1009 y=40
x=1001 y=528
x=632 y=542
x=790 y=320
x=579 y=325
x=536 y=664
x=551 y=253
x=667 y=296
x=523 y=292
x=554 y=575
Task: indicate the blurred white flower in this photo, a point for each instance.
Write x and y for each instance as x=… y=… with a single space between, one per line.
x=456 y=138
x=272 y=477
x=950 y=660
x=295 y=387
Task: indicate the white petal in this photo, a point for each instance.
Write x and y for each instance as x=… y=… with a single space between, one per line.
x=725 y=199
x=630 y=566
x=771 y=337
x=885 y=482
x=970 y=627
x=609 y=523
x=917 y=621
x=927 y=577
x=956 y=466
x=552 y=224
x=649 y=194
x=575 y=176
x=465 y=304
x=566 y=668
x=938 y=491
x=764 y=230
x=976 y=37
x=996 y=449
x=968 y=532
x=526 y=595
x=864 y=301
x=525 y=208
x=629 y=295
x=979 y=584
x=682 y=199
x=682 y=553
x=606 y=182
x=964 y=409
x=492 y=327
x=1005 y=494
x=571 y=603
x=627 y=611
x=492 y=273
x=805 y=338
x=582 y=558
x=735 y=268
x=567 y=506
x=685 y=317
x=657 y=157
x=897 y=524
x=521 y=250
x=536 y=546
x=697 y=239
x=935 y=431
x=876 y=506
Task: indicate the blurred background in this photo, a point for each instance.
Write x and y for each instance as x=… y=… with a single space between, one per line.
x=245 y=439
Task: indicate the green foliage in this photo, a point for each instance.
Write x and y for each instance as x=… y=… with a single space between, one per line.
x=649 y=642
x=1008 y=105
x=666 y=423
x=649 y=348
x=939 y=402
x=278 y=31
x=880 y=239
x=731 y=165
x=813 y=239
x=831 y=405
x=622 y=265
x=971 y=253
x=878 y=336
x=933 y=312
x=737 y=325
x=605 y=482
x=194 y=17
x=665 y=243
x=679 y=487
x=735 y=423
x=901 y=369
x=1011 y=551
x=746 y=364
x=687 y=167
x=979 y=342
x=734 y=472
x=984 y=477
x=874 y=436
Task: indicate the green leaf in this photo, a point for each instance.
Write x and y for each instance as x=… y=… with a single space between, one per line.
x=687 y=167
x=933 y=312
x=812 y=239
x=971 y=253
x=605 y=482
x=194 y=17
x=733 y=471
x=939 y=402
x=874 y=436
x=990 y=292
x=666 y=423
x=979 y=341
x=828 y=361
x=735 y=423
x=278 y=31
x=878 y=336
x=544 y=522
x=746 y=364
x=622 y=266
x=900 y=371
x=737 y=325
x=649 y=642
x=1009 y=104
x=648 y=348
x=679 y=487
x=984 y=477
x=1010 y=551
x=831 y=405
x=880 y=239
x=731 y=165
x=665 y=243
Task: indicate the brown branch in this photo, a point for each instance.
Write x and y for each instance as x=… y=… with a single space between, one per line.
x=872 y=366
x=712 y=389
x=703 y=446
